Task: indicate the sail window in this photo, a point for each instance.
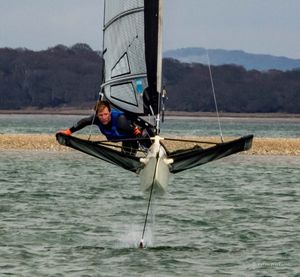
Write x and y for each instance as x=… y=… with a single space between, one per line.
x=124 y=92
x=121 y=67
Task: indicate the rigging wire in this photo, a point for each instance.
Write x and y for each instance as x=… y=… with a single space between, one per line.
x=126 y=148
x=94 y=116
x=190 y=140
x=102 y=56
x=214 y=94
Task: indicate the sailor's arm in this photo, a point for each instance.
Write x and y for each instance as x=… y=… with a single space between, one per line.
x=79 y=125
x=125 y=126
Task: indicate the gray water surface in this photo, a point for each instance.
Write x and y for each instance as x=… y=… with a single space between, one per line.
x=179 y=126
x=67 y=214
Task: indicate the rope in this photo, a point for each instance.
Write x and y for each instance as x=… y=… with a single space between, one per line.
x=102 y=56
x=94 y=116
x=194 y=141
x=121 y=140
x=107 y=143
x=214 y=94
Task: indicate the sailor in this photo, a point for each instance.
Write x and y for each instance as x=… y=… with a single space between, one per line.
x=115 y=126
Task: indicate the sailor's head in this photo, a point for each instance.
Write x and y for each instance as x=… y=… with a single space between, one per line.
x=103 y=112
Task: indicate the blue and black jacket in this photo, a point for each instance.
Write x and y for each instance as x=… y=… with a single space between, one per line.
x=119 y=127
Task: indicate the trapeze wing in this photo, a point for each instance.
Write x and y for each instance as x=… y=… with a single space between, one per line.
x=102 y=152
x=190 y=158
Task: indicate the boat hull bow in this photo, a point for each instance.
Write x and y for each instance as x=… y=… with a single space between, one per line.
x=156 y=171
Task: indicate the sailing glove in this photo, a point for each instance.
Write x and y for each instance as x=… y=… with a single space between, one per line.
x=66 y=132
x=137 y=132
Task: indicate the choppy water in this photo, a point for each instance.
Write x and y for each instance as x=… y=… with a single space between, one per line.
x=67 y=214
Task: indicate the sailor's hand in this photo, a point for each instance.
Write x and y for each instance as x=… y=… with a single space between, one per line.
x=65 y=132
x=137 y=132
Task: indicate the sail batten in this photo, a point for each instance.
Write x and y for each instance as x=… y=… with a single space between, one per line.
x=125 y=13
x=124 y=78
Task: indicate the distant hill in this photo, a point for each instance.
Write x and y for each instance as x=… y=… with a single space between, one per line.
x=220 y=57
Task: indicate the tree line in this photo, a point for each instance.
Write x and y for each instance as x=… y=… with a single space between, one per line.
x=58 y=76
x=71 y=77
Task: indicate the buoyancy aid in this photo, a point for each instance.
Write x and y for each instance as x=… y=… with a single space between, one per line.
x=113 y=133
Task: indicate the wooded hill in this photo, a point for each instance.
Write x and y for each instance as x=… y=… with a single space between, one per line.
x=71 y=76
x=51 y=78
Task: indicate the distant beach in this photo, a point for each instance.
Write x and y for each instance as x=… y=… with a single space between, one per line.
x=46 y=142
x=14 y=137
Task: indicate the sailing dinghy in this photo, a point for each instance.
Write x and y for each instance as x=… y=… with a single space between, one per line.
x=132 y=82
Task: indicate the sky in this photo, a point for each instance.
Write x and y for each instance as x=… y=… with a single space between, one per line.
x=255 y=26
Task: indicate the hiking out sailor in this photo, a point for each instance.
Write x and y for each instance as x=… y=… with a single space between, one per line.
x=115 y=126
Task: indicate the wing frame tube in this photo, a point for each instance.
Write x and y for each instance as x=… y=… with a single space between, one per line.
x=198 y=156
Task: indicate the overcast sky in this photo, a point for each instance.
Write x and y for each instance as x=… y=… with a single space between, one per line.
x=255 y=26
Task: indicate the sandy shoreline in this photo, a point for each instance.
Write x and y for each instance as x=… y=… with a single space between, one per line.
x=44 y=142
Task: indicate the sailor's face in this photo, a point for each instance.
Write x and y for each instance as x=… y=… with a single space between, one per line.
x=104 y=116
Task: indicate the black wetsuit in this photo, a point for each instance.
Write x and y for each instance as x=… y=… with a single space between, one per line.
x=122 y=127
x=119 y=128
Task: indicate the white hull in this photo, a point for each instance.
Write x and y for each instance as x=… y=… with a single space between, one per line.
x=156 y=170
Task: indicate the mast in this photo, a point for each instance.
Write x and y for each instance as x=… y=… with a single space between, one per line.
x=101 y=95
x=159 y=62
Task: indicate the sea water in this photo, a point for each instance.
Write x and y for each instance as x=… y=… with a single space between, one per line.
x=68 y=214
x=179 y=126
